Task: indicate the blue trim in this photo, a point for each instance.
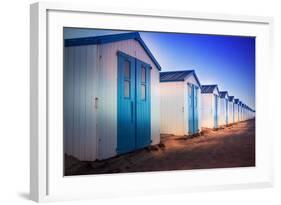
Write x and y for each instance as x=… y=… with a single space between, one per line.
x=139 y=39
x=120 y=53
x=193 y=108
x=166 y=81
x=110 y=39
x=100 y=39
x=193 y=73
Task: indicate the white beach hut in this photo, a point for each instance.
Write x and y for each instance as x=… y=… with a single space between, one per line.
x=111 y=96
x=209 y=106
x=240 y=111
x=251 y=113
x=247 y=111
x=223 y=117
x=231 y=110
x=180 y=103
x=236 y=110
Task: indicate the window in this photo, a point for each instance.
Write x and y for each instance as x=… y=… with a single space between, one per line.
x=143 y=82
x=127 y=79
x=195 y=96
x=143 y=90
x=127 y=70
x=143 y=76
x=127 y=89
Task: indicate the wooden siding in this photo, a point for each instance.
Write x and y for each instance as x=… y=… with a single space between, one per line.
x=80 y=80
x=223 y=111
x=172 y=108
x=207 y=110
x=230 y=112
x=235 y=113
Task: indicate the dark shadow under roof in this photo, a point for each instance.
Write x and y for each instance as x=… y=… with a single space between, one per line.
x=231 y=98
x=173 y=76
x=110 y=39
x=208 y=88
x=223 y=94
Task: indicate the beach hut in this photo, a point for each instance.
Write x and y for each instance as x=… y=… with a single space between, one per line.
x=209 y=106
x=242 y=112
x=253 y=114
x=231 y=109
x=180 y=102
x=223 y=117
x=250 y=113
x=111 y=96
x=239 y=111
x=236 y=110
x=247 y=111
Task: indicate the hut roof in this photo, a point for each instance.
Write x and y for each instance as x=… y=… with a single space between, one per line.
x=110 y=39
x=172 y=76
x=208 y=88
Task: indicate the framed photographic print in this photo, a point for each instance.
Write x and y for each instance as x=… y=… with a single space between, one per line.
x=127 y=102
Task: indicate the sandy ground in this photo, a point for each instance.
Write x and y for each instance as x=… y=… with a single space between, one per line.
x=232 y=146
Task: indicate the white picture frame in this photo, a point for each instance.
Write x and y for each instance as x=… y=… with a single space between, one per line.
x=47 y=182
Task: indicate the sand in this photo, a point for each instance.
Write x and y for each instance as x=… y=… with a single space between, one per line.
x=231 y=146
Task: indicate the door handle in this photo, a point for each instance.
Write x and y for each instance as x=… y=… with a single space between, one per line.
x=132 y=111
x=96 y=102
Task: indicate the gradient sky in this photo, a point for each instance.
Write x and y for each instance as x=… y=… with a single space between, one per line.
x=228 y=61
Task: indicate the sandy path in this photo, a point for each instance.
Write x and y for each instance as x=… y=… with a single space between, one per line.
x=232 y=146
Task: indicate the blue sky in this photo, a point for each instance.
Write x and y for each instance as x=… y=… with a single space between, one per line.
x=228 y=61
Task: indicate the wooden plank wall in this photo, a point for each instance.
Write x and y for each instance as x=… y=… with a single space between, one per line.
x=80 y=76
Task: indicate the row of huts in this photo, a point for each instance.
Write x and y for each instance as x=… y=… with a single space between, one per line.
x=117 y=100
x=187 y=106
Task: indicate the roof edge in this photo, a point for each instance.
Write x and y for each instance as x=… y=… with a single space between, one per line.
x=110 y=39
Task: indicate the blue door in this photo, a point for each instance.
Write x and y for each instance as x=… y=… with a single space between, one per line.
x=192 y=109
x=196 y=119
x=133 y=104
x=143 y=132
x=216 y=111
